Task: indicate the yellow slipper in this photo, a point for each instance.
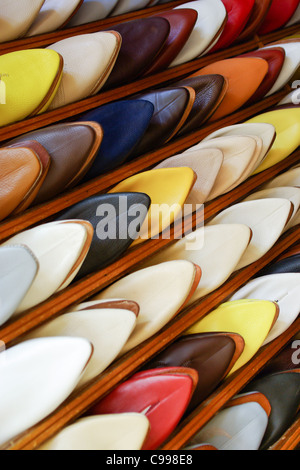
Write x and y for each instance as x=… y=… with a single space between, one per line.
x=168 y=189
x=31 y=79
x=287 y=125
x=251 y=319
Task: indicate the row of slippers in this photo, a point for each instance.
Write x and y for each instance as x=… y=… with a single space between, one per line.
x=71 y=350
x=215 y=23
x=40 y=165
x=34 y=17
x=195 y=181
x=109 y=59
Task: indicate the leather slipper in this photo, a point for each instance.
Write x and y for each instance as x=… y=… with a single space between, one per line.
x=92 y=10
x=122 y=304
x=290 y=178
x=32 y=78
x=283 y=392
x=239 y=426
x=290 y=65
x=275 y=56
x=286 y=123
x=125 y=431
x=251 y=319
x=23 y=171
x=266 y=132
x=96 y=53
x=288 y=192
x=17 y=18
x=18 y=269
x=106 y=329
x=114 y=218
x=126 y=6
x=216 y=249
x=280 y=288
x=38 y=376
x=290 y=264
x=53 y=15
x=60 y=248
x=182 y=22
x=162 y=398
x=266 y=218
x=129 y=120
x=244 y=76
x=206 y=163
x=238 y=14
x=257 y=17
x=72 y=148
x=210 y=23
x=212 y=355
x=278 y=15
x=295 y=18
x=210 y=91
x=142 y=41
x=168 y=189
x=172 y=107
x=174 y=282
x=239 y=153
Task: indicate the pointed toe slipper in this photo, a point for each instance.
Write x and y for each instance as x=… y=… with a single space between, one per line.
x=32 y=95
x=280 y=288
x=115 y=229
x=251 y=319
x=124 y=431
x=72 y=148
x=60 y=248
x=174 y=281
x=96 y=53
x=40 y=374
x=18 y=269
x=267 y=218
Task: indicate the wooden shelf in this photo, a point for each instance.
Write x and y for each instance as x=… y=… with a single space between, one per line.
x=10 y=333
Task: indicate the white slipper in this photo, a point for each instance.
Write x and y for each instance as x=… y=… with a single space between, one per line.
x=284 y=289
x=161 y=291
x=290 y=66
x=106 y=329
x=60 y=248
x=88 y=62
x=211 y=19
x=288 y=178
x=92 y=10
x=241 y=425
x=216 y=249
x=53 y=15
x=205 y=163
x=18 y=269
x=265 y=131
x=266 y=218
x=16 y=17
x=238 y=152
x=126 y=6
x=125 y=431
x=283 y=192
x=36 y=377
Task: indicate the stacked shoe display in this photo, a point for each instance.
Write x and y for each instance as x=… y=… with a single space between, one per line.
x=149 y=323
